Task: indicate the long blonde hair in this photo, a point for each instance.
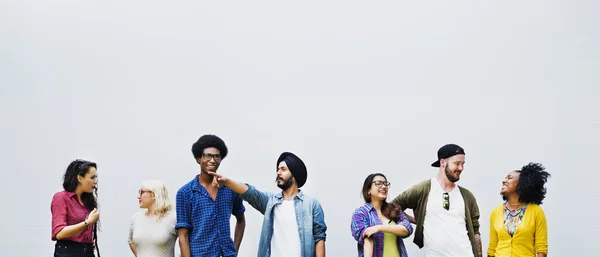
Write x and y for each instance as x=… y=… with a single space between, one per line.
x=162 y=202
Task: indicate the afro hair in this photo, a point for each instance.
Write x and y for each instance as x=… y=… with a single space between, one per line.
x=532 y=178
x=207 y=141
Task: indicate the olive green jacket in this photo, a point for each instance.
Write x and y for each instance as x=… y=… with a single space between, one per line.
x=416 y=198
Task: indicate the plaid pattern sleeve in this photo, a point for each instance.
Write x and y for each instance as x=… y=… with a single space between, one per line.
x=403 y=221
x=183 y=209
x=238 y=205
x=359 y=224
x=365 y=217
x=361 y=220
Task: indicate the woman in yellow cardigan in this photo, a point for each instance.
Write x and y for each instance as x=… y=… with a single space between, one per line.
x=518 y=226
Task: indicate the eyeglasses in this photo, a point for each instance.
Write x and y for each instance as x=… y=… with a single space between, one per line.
x=143 y=191
x=208 y=157
x=446 y=203
x=382 y=183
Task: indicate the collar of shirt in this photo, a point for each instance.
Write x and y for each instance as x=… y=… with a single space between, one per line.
x=199 y=188
x=369 y=206
x=300 y=195
x=70 y=194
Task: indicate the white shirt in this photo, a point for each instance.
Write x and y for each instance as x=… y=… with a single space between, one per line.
x=286 y=238
x=152 y=238
x=445 y=231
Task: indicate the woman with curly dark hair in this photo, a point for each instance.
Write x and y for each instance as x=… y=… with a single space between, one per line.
x=518 y=226
x=75 y=211
x=379 y=226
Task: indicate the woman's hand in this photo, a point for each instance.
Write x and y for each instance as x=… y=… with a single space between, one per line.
x=93 y=216
x=371 y=231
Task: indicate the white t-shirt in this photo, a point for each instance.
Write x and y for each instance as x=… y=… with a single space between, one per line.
x=152 y=238
x=445 y=231
x=286 y=238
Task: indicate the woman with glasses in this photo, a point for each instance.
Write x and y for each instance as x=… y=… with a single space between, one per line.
x=378 y=226
x=518 y=226
x=152 y=232
x=75 y=211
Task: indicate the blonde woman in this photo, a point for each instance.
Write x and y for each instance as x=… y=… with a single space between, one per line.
x=152 y=232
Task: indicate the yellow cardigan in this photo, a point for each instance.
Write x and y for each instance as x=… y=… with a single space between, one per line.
x=530 y=238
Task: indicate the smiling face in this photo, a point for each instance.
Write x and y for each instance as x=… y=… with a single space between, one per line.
x=510 y=183
x=453 y=167
x=379 y=188
x=210 y=159
x=88 y=182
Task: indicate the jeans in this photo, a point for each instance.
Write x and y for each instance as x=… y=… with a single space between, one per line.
x=66 y=248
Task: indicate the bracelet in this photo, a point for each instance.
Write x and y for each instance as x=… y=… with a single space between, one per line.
x=86 y=224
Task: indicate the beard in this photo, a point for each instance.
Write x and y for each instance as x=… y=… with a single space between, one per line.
x=450 y=175
x=286 y=183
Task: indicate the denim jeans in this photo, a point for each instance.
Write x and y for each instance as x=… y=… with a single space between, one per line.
x=66 y=248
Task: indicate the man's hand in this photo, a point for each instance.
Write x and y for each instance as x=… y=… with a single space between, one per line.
x=218 y=179
x=478 y=244
x=237 y=187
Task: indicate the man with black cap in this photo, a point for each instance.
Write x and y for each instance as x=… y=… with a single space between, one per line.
x=447 y=216
x=294 y=223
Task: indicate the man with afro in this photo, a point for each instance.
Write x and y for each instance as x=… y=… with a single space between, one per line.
x=204 y=209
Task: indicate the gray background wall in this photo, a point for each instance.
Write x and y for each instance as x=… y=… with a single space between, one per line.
x=351 y=87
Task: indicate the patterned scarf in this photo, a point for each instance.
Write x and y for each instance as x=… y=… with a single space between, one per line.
x=512 y=219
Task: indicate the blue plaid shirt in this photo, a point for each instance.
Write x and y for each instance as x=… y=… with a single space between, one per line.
x=207 y=220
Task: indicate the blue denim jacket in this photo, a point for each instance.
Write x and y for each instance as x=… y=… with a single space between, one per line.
x=309 y=216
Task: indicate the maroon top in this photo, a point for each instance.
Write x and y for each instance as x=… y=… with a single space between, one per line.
x=66 y=210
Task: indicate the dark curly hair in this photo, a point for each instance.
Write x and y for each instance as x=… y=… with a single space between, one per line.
x=207 y=141
x=389 y=210
x=530 y=187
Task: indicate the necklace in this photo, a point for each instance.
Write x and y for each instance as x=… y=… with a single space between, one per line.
x=515 y=212
x=516 y=205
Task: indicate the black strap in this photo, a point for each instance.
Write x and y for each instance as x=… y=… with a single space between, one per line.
x=95 y=236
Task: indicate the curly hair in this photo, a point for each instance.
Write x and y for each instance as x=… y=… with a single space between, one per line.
x=207 y=141
x=389 y=210
x=530 y=187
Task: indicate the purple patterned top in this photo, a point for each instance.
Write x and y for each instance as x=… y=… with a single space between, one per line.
x=365 y=217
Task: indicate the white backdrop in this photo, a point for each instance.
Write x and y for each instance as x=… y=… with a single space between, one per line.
x=351 y=87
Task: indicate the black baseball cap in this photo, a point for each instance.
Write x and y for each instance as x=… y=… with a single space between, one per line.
x=447 y=151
